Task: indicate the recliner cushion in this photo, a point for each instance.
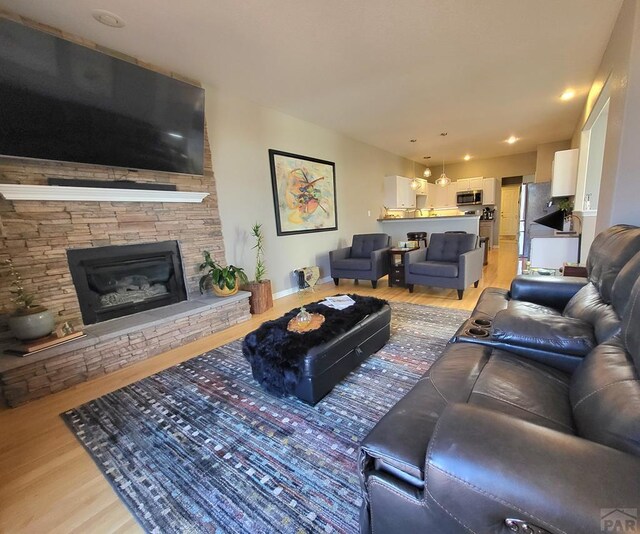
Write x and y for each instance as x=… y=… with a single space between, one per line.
x=364 y=244
x=552 y=333
x=609 y=252
x=605 y=394
x=587 y=305
x=522 y=306
x=435 y=268
x=449 y=247
x=352 y=264
x=525 y=389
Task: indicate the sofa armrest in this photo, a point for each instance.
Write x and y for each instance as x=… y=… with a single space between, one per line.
x=470 y=266
x=552 y=291
x=483 y=467
x=339 y=254
x=380 y=262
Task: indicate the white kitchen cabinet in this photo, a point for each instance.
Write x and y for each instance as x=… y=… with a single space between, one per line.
x=489 y=191
x=475 y=184
x=450 y=196
x=398 y=193
x=564 y=173
x=464 y=184
x=422 y=187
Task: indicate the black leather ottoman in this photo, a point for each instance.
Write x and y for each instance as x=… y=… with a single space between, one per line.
x=316 y=369
x=327 y=364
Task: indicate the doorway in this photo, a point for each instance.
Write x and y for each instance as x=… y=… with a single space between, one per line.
x=509 y=213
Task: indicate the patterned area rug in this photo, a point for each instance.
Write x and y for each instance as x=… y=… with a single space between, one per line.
x=201 y=447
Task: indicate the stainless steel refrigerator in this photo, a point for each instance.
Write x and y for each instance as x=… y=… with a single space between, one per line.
x=536 y=198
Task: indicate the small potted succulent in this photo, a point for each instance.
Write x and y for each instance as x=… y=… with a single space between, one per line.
x=261 y=298
x=29 y=320
x=224 y=281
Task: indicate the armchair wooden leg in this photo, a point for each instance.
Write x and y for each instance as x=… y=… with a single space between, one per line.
x=410 y=286
x=475 y=284
x=336 y=281
x=460 y=294
x=374 y=284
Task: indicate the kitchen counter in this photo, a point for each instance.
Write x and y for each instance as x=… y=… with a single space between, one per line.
x=398 y=228
x=429 y=218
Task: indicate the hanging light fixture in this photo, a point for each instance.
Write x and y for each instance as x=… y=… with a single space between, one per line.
x=427 y=172
x=444 y=180
x=414 y=183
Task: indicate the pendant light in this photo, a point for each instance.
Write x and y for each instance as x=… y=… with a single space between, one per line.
x=414 y=183
x=427 y=172
x=444 y=180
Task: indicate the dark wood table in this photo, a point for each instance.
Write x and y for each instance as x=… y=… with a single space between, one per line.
x=396 y=268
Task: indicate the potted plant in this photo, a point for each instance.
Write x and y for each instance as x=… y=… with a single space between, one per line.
x=261 y=298
x=29 y=321
x=224 y=281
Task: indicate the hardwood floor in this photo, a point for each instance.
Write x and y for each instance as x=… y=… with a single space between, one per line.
x=50 y=484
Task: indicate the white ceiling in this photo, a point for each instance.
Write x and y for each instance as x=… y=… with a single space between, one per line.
x=381 y=71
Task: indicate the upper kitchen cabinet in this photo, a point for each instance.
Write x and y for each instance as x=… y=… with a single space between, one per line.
x=398 y=192
x=469 y=184
x=488 y=191
x=564 y=173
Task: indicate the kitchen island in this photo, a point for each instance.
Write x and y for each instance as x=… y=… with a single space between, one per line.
x=397 y=228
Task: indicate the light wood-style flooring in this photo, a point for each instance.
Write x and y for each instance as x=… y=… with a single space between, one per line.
x=49 y=484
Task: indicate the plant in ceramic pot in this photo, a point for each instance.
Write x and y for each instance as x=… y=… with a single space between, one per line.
x=261 y=297
x=29 y=320
x=224 y=281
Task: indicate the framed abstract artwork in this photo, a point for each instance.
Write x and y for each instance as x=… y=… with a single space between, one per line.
x=304 y=193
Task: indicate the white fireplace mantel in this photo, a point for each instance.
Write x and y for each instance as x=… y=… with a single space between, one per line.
x=97 y=194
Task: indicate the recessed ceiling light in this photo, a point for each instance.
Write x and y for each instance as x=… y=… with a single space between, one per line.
x=412 y=140
x=568 y=94
x=467 y=157
x=108 y=19
x=444 y=134
x=426 y=157
x=512 y=139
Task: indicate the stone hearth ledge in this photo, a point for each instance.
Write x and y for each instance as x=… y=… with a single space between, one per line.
x=116 y=343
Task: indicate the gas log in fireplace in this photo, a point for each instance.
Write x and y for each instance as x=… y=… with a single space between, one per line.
x=120 y=280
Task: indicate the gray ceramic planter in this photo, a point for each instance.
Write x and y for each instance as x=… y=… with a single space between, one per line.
x=40 y=323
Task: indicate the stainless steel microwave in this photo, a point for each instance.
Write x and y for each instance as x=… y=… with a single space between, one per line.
x=469 y=198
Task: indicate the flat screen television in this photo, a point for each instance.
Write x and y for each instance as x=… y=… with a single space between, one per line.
x=65 y=102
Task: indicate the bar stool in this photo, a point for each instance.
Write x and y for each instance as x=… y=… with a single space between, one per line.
x=418 y=236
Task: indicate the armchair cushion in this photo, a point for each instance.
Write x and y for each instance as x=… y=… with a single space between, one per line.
x=352 y=264
x=449 y=247
x=364 y=244
x=435 y=268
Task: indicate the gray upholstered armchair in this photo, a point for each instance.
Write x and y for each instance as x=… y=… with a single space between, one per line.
x=451 y=260
x=365 y=259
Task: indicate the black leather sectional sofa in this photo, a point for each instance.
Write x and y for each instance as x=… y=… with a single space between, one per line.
x=530 y=420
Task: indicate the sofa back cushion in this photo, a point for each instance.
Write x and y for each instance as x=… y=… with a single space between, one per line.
x=623 y=285
x=449 y=247
x=364 y=244
x=605 y=397
x=587 y=305
x=609 y=253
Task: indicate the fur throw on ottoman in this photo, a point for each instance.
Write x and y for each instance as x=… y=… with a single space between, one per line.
x=276 y=354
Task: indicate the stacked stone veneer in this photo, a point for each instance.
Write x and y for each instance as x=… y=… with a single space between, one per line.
x=37 y=234
x=101 y=354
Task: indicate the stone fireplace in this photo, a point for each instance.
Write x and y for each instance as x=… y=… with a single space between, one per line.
x=145 y=302
x=117 y=281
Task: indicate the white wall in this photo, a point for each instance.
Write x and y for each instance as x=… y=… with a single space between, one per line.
x=620 y=70
x=241 y=133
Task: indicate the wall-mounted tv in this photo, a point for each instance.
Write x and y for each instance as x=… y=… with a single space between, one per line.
x=66 y=102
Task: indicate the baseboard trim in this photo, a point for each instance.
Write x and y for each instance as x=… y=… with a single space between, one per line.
x=292 y=290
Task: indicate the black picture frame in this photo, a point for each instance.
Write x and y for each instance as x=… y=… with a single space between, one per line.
x=303 y=181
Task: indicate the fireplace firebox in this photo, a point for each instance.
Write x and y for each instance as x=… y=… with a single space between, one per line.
x=115 y=281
